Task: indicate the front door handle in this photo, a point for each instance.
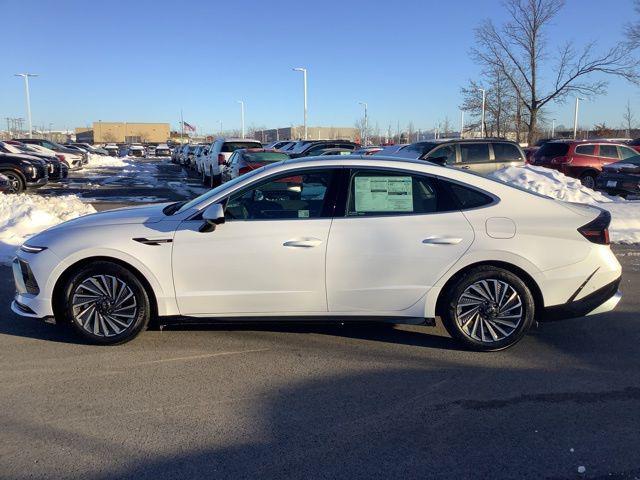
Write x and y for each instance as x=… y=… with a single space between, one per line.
x=442 y=240
x=306 y=242
x=465 y=167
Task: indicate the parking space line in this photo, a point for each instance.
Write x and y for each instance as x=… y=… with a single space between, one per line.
x=199 y=357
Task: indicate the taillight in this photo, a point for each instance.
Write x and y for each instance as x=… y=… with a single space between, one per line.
x=221 y=159
x=597 y=230
x=560 y=160
x=60 y=157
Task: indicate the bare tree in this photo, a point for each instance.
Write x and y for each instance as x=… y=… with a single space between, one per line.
x=628 y=118
x=518 y=49
x=632 y=31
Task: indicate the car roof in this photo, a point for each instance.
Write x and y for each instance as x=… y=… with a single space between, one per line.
x=239 y=140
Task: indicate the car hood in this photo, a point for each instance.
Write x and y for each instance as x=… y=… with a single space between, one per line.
x=621 y=167
x=131 y=215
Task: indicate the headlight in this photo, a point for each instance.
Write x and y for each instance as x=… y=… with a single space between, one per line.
x=31 y=248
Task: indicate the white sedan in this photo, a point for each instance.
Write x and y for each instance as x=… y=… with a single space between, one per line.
x=342 y=238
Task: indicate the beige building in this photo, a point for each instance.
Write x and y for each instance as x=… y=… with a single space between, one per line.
x=124 y=132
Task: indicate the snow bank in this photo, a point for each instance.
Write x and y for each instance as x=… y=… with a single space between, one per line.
x=96 y=161
x=625 y=215
x=24 y=215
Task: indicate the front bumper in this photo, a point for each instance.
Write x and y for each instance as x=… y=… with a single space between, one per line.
x=601 y=300
x=37 y=183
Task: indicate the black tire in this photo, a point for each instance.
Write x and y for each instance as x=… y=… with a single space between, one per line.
x=588 y=180
x=215 y=180
x=489 y=322
x=16 y=181
x=101 y=325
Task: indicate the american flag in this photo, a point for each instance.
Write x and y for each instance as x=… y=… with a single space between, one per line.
x=188 y=127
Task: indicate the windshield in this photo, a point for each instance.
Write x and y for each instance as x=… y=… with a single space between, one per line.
x=11 y=148
x=263 y=157
x=553 y=149
x=218 y=189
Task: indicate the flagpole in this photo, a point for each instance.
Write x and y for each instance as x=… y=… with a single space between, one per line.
x=181 y=127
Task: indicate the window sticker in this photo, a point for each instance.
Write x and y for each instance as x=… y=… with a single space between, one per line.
x=303 y=213
x=383 y=194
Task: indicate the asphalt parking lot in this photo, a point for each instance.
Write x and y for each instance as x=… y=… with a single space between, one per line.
x=316 y=401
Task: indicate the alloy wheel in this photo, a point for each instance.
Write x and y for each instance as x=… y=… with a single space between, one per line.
x=489 y=310
x=15 y=184
x=104 y=305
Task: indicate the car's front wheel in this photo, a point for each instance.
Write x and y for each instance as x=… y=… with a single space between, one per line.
x=488 y=309
x=16 y=182
x=105 y=303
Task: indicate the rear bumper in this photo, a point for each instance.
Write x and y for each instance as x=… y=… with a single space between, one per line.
x=602 y=300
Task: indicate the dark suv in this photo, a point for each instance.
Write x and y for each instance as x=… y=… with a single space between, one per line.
x=56 y=147
x=309 y=148
x=23 y=171
x=482 y=156
x=582 y=159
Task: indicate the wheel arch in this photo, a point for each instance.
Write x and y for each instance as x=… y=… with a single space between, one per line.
x=529 y=281
x=56 y=296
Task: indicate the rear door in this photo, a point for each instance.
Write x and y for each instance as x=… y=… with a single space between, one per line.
x=607 y=154
x=507 y=154
x=476 y=157
x=397 y=236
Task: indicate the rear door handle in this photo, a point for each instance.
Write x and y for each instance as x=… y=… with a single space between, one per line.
x=465 y=167
x=303 y=242
x=442 y=240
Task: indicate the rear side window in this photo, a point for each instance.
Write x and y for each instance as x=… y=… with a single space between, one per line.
x=553 y=149
x=608 y=151
x=506 y=152
x=474 y=152
x=586 y=149
x=233 y=146
x=468 y=197
x=374 y=193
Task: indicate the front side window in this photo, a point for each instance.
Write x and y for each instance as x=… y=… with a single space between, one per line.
x=474 y=152
x=290 y=196
x=506 y=152
x=608 y=151
x=373 y=193
x=447 y=152
x=586 y=150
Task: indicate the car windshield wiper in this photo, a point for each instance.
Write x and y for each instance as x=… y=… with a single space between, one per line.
x=173 y=208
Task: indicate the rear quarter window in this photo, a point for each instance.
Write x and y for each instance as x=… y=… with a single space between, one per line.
x=506 y=152
x=468 y=197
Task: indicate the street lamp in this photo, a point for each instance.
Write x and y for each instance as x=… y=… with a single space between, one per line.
x=575 y=118
x=26 y=91
x=304 y=79
x=242 y=116
x=366 y=122
x=484 y=95
x=220 y=122
x=553 y=128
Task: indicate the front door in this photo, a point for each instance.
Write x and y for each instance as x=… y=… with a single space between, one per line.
x=400 y=234
x=267 y=258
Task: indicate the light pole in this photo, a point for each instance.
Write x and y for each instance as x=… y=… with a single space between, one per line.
x=366 y=123
x=304 y=79
x=242 y=116
x=26 y=91
x=484 y=95
x=553 y=128
x=461 y=122
x=220 y=122
x=575 y=118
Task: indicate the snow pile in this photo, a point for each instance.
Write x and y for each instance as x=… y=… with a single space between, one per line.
x=96 y=161
x=625 y=215
x=24 y=215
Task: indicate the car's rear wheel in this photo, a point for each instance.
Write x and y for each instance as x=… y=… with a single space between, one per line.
x=488 y=309
x=16 y=182
x=588 y=180
x=106 y=303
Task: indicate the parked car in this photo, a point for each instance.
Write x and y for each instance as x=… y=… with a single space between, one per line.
x=151 y=150
x=175 y=154
x=277 y=145
x=245 y=160
x=90 y=148
x=390 y=149
x=309 y=148
x=481 y=156
x=323 y=152
x=56 y=168
x=23 y=172
x=112 y=149
x=200 y=152
x=163 y=150
x=74 y=159
x=635 y=144
x=137 y=151
x=213 y=163
x=530 y=151
x=339 y=238
x=621 y=178
x=582 y=159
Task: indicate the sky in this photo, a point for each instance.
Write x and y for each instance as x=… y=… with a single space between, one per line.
x=145 y=61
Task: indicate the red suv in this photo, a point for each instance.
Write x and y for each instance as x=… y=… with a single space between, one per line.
x=581 y=159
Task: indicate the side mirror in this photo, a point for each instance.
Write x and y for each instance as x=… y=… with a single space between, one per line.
x=213 y=215
x=439 y=160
